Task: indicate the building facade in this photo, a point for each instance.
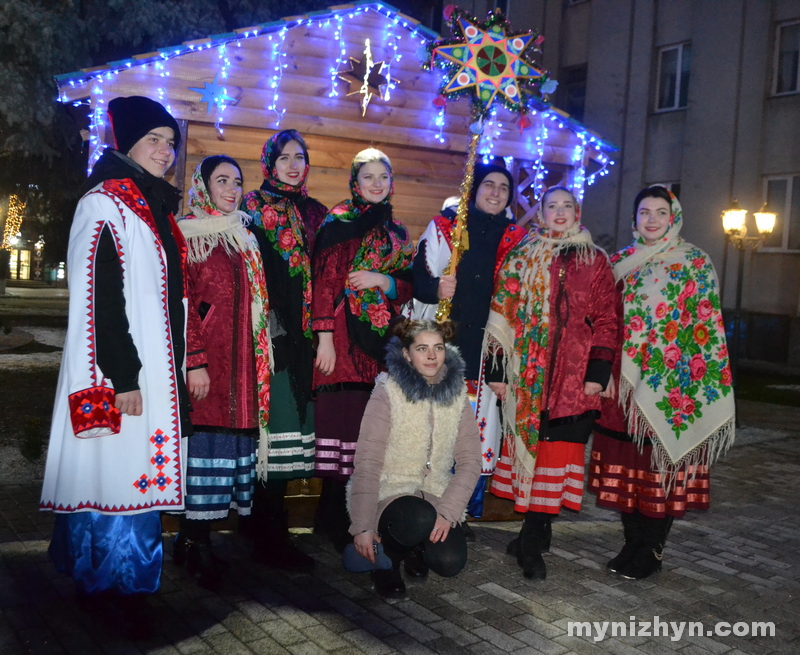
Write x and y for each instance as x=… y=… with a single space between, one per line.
x=703 y=95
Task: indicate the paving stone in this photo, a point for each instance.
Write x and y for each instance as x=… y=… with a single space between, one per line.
x=737 y=562
x=282 y=632
x=498 y=621
x=462 y=602
x=415 y=629
x=367 y=643
x=407 y=645
x=324 y=637
x=267 y=646
x=454 y=632
x=305 y=648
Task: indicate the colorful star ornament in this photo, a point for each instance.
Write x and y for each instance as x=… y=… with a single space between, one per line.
x=213 y=94
x=366 y=77
x=488 y=61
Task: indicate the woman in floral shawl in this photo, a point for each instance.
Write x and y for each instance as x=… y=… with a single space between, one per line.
x=228 y=360
x=362 y=276
x=651 y=451
x=285 y=220
x=554 y=319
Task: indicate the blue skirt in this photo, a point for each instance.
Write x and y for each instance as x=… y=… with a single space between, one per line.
x=121 y=554
x=220 y=475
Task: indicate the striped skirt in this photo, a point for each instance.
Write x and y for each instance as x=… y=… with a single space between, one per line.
x=558 y=478
x=339 y=415
x=291 y=443
x=220 y=475
x=624 y=479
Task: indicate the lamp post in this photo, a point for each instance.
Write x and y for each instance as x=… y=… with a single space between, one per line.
x=734 y=222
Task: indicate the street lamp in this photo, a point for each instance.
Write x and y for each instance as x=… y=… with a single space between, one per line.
x=734 y=222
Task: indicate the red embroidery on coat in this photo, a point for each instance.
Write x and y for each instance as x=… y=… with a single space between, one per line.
x=159 y=460
x=445 y=226
x=126 y=192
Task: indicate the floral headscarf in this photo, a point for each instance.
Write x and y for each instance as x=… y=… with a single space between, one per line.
x=270 y=154
x=676 y=376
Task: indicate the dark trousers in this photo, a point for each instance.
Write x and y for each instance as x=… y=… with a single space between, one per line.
x=407 y=523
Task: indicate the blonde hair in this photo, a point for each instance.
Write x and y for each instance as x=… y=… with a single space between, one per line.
x=367 y=157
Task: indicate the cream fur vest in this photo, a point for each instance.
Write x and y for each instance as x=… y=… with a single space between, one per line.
x=414 y=443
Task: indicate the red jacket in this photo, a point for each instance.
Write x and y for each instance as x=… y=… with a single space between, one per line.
x=583 y=334
x=219 y=335
x=327 y=315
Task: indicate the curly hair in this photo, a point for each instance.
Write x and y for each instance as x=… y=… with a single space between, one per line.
x=407 y=330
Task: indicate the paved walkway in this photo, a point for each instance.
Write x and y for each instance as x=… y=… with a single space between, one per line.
x=737 y=563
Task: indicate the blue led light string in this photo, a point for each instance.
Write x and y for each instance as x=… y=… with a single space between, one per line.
x=97 y=126
x=579 y=172
x=340 y=58
x=221 y=106
x=277 y=72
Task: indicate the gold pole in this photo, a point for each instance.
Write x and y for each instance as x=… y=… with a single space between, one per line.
x=459 y=236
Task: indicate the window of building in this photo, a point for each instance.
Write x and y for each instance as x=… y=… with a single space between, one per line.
x=502 y=5
x=782 y=194
x=787 y=57
x=572 y=90
x=674 y=63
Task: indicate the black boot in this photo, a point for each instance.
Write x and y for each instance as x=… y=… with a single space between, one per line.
x=469 y=533
x=331 y=519
x=530 y=551
x=388 y=582
x=513 y=545
x=415 y=565
x=201 y=563
x=273 y=546
x=647 y=558
x=632 y=529
x=192 y=546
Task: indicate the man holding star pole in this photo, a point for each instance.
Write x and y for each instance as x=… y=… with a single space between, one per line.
x=488 y=64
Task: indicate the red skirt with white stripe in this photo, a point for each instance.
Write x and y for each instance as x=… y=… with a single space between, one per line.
x=624 y=479
x=557 y=479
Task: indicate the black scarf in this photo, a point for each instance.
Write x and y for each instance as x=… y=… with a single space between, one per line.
x=292 y=350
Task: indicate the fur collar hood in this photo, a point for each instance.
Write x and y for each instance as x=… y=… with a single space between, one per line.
x=415 y=387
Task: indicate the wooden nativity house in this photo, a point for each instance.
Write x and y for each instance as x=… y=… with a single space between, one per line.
x=230 y=92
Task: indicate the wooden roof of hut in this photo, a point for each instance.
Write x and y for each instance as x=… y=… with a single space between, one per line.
x=231 y=91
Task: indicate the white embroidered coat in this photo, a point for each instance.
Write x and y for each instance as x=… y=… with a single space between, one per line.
x=98 y=460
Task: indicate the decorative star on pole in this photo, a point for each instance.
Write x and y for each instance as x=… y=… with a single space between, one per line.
x=487 y=61
x=366 y=77
x=213 y=94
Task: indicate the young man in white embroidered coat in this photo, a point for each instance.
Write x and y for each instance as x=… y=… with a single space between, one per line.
x=121 y=405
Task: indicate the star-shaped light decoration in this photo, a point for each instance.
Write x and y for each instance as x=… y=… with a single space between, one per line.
x=366 y=77
x=213 y=94
x=487 y=61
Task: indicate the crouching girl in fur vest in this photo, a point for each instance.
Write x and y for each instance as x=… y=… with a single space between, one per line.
x=417 y=459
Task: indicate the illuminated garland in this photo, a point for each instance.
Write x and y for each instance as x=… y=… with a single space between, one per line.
x=16 y=208
x=533 y=91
